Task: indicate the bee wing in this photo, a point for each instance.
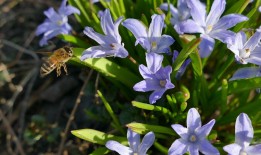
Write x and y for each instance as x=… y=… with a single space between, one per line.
x=45 y=53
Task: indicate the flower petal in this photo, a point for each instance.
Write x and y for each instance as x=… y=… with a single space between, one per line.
x=136 y=27
x=193 y=150
x=99 y=38
x=197 y=11
x=178 y=147
x=146 y=143
x=180 y=130
x=229 y=21
x=237 y=43
x=157 y=94
x=206 y=147
x=166 y=7
x=245 y=73
x=232 y=148
x=147 y=85
x=206 y=46
x=216 y=11
x=156 y=25
x=154 y=61
x=188 y=26
x=116 y=146
x=254 y=149
x=107 y=23
x=244 y=130
x=164 y=44
x=145 y=72
x=184 y=11
x=133 y=139
x=253 y=41
x=224 y=36
x=193 y=119
x=67 y=10
x=205 y=129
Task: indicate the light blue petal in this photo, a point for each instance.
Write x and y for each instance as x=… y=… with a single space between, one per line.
x=144 y=42
x=224 y=36
x=184 y=11
x=99 y=38
x=244 y=130
x=216 y=11
x=121 y=52
x=67 y=10
x=189 y=26
x=164 y=73
x=116 y=146
x=169 y=85
x=147 y=85
x=157 y=94
x=146 y=143
x=245 y=73
x=154 y=61
x=180 y=130
x=166 y=7
x=43 y=28
x=116 y=29
x=182 y=69
x=52 y=15
x=193 y=149
x=193 y=119
x=175 y=55
x=107 y=23
x=254 y=149
x=133 y=139
x=145 y=72
x=96 y=52
x=238 y=42
x=164 y=44
x=136 y=27
x=229 y=21
x=232 y=149
x=178 y=147
x=205 y=129
x=197 y=11
x=253 y=41
x=206 y=46
x=48 y=35
x=156 y=25
x=207 y=148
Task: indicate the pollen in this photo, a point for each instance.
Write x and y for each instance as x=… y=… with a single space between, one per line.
x=154 y=45
x=162 y=83
x=209 y=28
x=247 y=50
x=242 y=153
x=192 y=138
x=112 y=46
x=59 y=22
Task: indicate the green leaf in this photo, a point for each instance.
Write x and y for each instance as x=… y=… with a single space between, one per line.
x=110 y=111
x=74 y=40
x=107 y=68
x=100 y=150
x=147 y=106
x=237 y=7
x=243 y=85
x=96 y=137
x=144 y=128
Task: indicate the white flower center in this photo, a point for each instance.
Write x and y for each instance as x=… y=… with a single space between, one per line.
x=59 y=22
x=193 y=138
x=209 y=28
x=154 y=45
x=163 y=83
x=242 y=153
x=244 y=54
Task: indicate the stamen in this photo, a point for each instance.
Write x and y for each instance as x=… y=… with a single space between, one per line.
x=242 y=153
x=59 y=22
x=112 y=46
x=209 y=28
x=192 y=138
x=247 y=50
x=154 y=45
x=163 y=83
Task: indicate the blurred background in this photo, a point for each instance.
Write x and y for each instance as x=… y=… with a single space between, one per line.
x=34 y=111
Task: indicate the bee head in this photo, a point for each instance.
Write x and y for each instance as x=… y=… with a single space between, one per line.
x=69 y=50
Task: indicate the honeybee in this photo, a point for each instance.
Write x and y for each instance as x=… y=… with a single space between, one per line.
x=56 y=60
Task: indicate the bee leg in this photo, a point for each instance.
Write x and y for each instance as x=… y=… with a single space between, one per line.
x=65 y=68
x=58 y=70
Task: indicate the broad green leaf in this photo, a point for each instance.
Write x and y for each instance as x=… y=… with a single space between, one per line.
x=143 y=128
x=107 y=68
x=96 y=137
x=237 y=86
x=237 y=7
x=100 y=150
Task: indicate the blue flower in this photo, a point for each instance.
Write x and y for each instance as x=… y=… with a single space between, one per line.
x=183 y=67
x=136 y=147
x=156 y=77
x=244 y=134
x=193 y=138
x=56 y=22
x=151 y=39
x=179 y=14
x=110 y=43
x=210 y=26
x=247 y=51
